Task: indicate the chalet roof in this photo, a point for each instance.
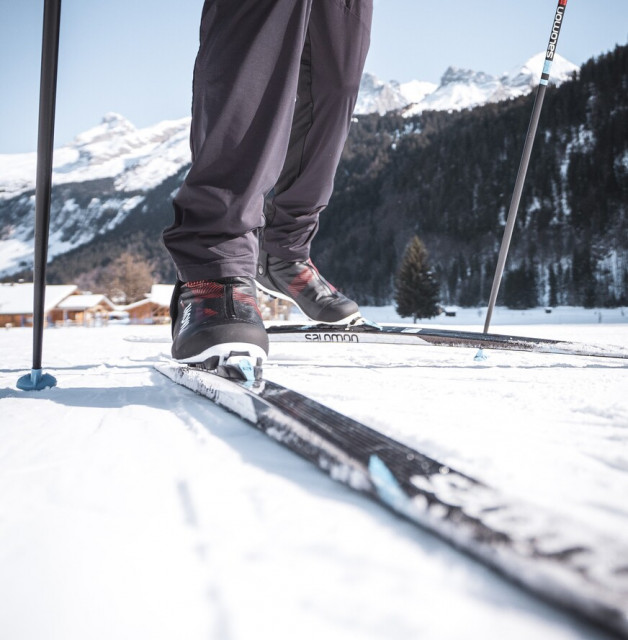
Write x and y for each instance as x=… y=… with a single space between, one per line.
x=81 y=302
x=17 y=299
x=135 y=305
x=161 y=293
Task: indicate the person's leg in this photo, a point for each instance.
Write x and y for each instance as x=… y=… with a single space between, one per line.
x=332 y=63
x=245 y=83
x=331 y=68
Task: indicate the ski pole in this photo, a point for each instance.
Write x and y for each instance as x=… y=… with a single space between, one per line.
x=47 y=99
x=525 y=159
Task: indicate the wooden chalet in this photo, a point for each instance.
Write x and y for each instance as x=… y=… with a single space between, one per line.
x=16 y=303
x=86 y=309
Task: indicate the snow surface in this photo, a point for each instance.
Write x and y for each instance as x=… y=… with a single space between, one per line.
x=131 y=508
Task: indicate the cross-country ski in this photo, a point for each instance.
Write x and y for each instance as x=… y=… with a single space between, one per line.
x=413 y=335
x=561 y=561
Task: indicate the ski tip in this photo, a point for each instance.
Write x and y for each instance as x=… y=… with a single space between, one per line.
x=480 y=356
x=36 y=380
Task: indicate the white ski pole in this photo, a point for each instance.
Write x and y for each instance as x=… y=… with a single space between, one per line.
x=525 y=159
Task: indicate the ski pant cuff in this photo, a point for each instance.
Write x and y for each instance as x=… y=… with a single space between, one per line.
x=288 y=254
x=217 y=269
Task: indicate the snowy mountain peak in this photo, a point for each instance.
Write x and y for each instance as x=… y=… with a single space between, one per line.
x=132 y=160
x=464 y=76
x=112 y=125
x=464 y=89
x=135 y=160
x=377 y=96
x=416 y=90
x=528 y=75
x=113 y=118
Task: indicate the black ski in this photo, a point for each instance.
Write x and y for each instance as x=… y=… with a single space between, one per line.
x=409 y=334
x=561 y=561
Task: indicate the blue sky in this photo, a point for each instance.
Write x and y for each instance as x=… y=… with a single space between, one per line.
x=135 y=56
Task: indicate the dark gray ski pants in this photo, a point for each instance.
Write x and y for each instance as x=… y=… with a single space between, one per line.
x=275 y=84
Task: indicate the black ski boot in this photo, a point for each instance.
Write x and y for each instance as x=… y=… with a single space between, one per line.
x=301 y=283
x=217 y=323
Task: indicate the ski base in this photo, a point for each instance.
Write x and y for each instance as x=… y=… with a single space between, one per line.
x=561 y=561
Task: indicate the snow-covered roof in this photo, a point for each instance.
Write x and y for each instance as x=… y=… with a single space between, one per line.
x=80 y=302
x=17 y=299
x=161 y=293
x=135 y=305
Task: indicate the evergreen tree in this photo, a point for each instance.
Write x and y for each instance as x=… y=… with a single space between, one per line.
x=553 y=287
x=416 y=289
x=520 y=288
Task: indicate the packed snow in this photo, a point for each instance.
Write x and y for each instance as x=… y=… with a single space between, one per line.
x=132 y=508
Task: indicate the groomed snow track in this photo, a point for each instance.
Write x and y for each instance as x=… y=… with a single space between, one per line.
x=560 y=561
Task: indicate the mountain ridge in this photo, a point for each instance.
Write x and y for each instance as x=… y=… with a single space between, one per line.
x=442 y=174
x=458 y=88
x=133 y=161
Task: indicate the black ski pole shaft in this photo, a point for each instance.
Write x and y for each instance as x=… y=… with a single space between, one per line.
x=525 y=160
x=43 y=185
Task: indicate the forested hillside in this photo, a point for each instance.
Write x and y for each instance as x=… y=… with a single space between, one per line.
x=448 y=177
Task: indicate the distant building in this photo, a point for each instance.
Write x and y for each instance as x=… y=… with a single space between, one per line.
x=65 y=305
x=274 y=308
x=156 y=306
x=87 y=309
x=154 y=309
x=16 y=302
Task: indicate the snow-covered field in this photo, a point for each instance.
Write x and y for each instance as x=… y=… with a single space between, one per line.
x=131 y=508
